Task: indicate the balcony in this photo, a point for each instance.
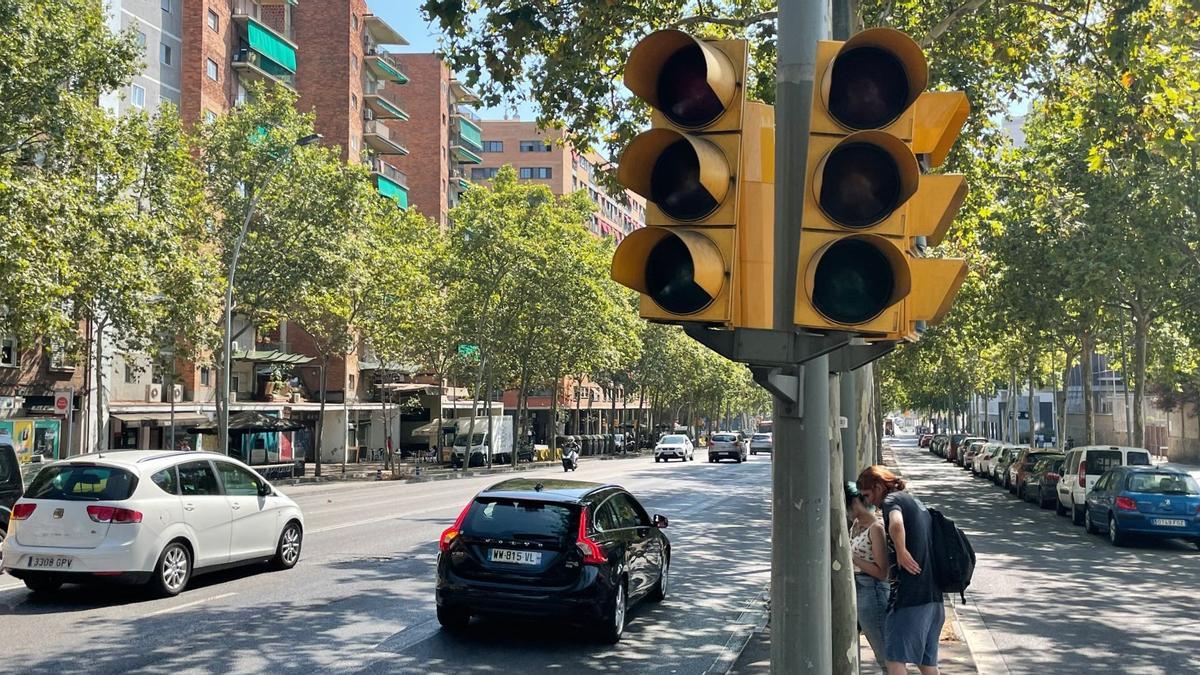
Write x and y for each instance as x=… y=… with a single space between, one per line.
x=245 y=11
x=458 y=178
x=383 y=65
x=381 y=108
x=461 y=93
x=470 y=135
x=379 y=138
x=390 y=181
x=381 y=32
x=253 y=65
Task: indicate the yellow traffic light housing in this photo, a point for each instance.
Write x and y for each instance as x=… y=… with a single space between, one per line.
x=867 y=202
x=706 y=169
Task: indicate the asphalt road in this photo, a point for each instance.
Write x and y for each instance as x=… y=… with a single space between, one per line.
x=1053 y=599
x=361 y=598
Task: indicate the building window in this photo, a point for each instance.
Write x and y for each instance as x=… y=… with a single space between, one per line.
x=536 y=172
x=493 y=146
x=164 y=53
x=535 y=146
x=354 y=63
x=60 y=359
x=210 y=116
x=137 y=96
x=214 y=21
x=354 y=144
x=166 y=5
x=205 y=377
x=212 y=70
x=354 y=21
x=130 y=373
x=140 y=39
x=353 y=102
x=241 y=95
x=351 y=382
x=483 y=174
x=8 y=351
x=235 y=383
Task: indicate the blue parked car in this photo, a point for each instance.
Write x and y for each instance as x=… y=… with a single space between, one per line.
x=1143 y=500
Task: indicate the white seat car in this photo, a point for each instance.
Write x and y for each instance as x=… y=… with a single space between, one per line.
x=1083 y=467
x=762 y=442
x=674 y=446
x=147 y=517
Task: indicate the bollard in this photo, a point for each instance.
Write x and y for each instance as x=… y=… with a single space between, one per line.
x=378 y=474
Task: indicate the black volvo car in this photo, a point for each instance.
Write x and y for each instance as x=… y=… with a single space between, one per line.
x=552 y=548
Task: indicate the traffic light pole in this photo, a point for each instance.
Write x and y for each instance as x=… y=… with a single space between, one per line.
x=801 y=611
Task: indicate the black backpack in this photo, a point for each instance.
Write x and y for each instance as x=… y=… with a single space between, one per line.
x=952 y=554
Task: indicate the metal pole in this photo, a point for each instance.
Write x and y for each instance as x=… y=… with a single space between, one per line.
x=801 y=610
x=70 y=424
x=849 y=403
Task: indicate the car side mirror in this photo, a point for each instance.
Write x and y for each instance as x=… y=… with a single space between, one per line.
x=264 y=489
x=659 y=521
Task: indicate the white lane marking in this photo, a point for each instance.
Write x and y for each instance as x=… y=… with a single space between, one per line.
x=189 y=604
x=380 y=519
x=11 y=587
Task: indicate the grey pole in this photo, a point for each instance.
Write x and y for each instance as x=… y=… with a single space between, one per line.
x=849 y=403
x=801 y=610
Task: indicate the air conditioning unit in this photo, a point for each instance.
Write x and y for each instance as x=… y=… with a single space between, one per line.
x=295 y=397
x=154 y=393
x=175 y=394
x=234 y=347
x=233 y=397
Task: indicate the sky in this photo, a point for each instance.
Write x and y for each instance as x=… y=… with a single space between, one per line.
x=405 y=17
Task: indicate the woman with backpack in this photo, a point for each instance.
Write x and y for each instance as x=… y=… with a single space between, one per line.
x=915 y=611
x=869 y=552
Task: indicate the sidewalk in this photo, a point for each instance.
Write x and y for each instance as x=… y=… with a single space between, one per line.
x=954 y=657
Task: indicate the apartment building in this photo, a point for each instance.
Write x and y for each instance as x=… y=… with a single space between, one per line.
x=444 y=136
x=157 y=25
x=541 y=156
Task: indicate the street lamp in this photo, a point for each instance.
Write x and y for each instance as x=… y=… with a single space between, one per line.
x=223 y=412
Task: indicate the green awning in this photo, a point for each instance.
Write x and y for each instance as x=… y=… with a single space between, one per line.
x=390 y=71
x=394 y=110
x=464 y=155
x=470 y=133
x=270 y=45
x=392 y=189
x=270 y=356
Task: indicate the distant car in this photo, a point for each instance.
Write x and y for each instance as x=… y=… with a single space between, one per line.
x=963 y=446
x=923 y=441
x=149 y=517
x=1148 y=501
x=1018 y=470
x=762 y=443
x=983 y=460
x=10 y=485
x=726 y=446
x=560 y=549
x=674 y=446
x=938 y=443
x=1041 y=481
x=1084 y=466
x=967 y=456
x=1007 y=455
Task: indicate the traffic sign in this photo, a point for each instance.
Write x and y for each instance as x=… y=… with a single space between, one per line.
x=468 y=350
x=62 y=402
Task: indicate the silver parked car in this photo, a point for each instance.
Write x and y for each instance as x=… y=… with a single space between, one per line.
x=764 y=442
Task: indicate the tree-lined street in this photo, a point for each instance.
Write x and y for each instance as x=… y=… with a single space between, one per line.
x=361 y=599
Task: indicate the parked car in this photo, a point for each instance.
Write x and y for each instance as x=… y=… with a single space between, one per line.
x=150 y=517
x=1041 y=481
x=1149 y=501
x=923 y=441
x=674 y=446
x=963 y=445
x=1018 y=470
x=937 y=445
x=726 y=446
x=1001 y=462
x=762 y=443
x=10 y=485
x=984 y=458
x=555 y=549
x=967 y=456
x=1084 y=466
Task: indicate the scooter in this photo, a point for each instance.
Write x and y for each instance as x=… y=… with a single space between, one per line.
x=570 y=463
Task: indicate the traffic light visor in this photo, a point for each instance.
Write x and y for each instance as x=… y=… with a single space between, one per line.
x=876 y=75
x=691 y=82
x=865 y=178
x=682 y=271
x=686 y=176
x=854 y=279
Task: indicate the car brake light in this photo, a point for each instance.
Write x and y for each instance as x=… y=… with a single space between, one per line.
x=592 y=553
x=112 y=514
x=22 y=511
x=1052 y=476
x=1083 y=474
x=1126 y=504
x=451 y=533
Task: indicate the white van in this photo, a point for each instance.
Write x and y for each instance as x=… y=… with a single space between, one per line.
x=1084 y=466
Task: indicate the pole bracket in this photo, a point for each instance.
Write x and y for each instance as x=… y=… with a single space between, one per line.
x=762 y=347
x=783 y=384
x=858 y=354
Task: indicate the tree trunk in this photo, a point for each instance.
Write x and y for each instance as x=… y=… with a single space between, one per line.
x=318 y=442
x=1030 y=402
x=1089 y=408
x=101 y=441
x=1062 y=404
x=519 y=428
x=491 y=437
x=554 y=419
x=877 y=423
x=470 y=443
x=612 y=422
x=1141 y=332
x=843 y=597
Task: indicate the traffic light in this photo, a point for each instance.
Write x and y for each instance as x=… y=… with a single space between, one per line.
x=706 y=169
x=868 y=207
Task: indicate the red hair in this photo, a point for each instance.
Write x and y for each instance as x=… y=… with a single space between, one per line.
x=879 y=475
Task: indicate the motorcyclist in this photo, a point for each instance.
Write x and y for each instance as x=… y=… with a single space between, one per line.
x=571 y=455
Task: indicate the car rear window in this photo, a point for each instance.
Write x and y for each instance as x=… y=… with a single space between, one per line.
x=1100 y=461
x=673 y=439
x=762 y=437
x=82 y=483
x=724 y=438
x=1162 y=483
x=1138 y=459
x=520 y=519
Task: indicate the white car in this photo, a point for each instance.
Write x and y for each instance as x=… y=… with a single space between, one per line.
x=147 y=517
x=762 y=443
x=1083 y=467
x=674 y=446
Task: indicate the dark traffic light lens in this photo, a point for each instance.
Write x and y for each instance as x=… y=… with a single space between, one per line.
x=869 y=88
x=670 y=278
x=675 y=184
x=683 y=92
x=854 y=282
x=860 y=185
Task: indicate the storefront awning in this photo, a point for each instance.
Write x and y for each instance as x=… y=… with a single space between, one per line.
x=402 y=387
x=158 y=419
x=271 y=356
x=435 y=427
